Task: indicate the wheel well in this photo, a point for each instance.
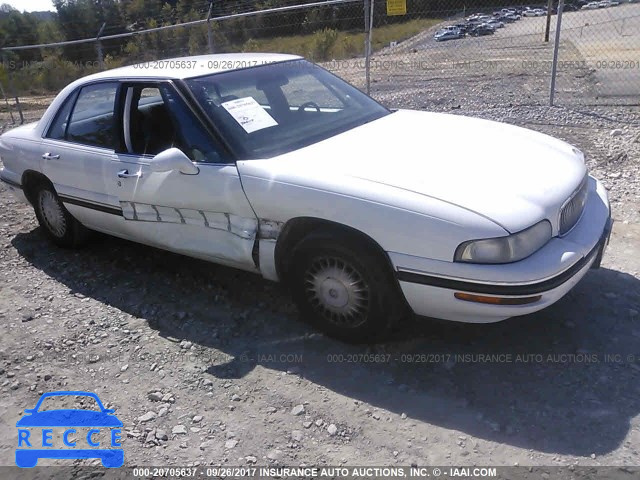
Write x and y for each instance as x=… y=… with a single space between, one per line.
x=298 y=228
x=30 y=180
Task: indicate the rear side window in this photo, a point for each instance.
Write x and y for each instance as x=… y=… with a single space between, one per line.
x=92 y=120
x=58 y=128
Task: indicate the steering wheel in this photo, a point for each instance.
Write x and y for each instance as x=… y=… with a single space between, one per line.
x=303 y=107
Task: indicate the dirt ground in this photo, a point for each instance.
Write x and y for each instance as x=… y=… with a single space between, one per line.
x=598 y=64
x=207 y=365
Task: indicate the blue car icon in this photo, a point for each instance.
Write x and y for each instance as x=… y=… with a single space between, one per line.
x=31 y=448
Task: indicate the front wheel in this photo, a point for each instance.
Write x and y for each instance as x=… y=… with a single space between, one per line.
x=344 y=288
x=55 y=219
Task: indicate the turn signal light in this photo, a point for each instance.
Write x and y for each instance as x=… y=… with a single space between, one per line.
x=496 y=300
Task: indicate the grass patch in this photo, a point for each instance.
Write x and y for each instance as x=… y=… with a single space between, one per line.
x=330 y=44
x=53 y=72
x=399 y=32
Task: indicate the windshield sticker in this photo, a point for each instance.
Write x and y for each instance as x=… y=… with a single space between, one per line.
x=249 y=114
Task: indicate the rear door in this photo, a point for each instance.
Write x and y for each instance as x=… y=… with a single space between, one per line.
x=205 y=215
x=77 y=151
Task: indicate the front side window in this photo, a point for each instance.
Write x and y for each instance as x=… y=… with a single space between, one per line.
x=156 y=118
x=277 y=108
x=92 y=120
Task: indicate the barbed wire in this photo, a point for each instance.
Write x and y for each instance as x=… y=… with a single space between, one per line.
x=183 y=24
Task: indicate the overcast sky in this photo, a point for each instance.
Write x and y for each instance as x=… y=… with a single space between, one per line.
x=30 y=5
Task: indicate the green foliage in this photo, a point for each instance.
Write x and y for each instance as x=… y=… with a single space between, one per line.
x=18 y=29
x=321 y=33
x=323 y=42
x=50 y=74
x=347 y=44
x=351 y=46
x=251 y=45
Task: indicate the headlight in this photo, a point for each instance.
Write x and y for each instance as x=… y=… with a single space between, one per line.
x=505 y=249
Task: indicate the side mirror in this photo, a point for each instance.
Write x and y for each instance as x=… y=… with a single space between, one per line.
x=109 y=411
x=173 y=159
x=29 y=411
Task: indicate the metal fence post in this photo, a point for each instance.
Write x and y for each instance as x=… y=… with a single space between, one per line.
x=13 y=93
x=367 y=59
x=556 y=46
x=548 y=26
x=368 y=27
x=5 y=63
x=12 y=90
x=99 y=46
x=209 y=31
x=6 y=101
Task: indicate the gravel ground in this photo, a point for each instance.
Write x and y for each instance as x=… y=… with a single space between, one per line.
x=206 y=365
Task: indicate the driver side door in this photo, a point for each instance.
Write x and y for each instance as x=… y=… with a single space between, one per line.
x=204 y=215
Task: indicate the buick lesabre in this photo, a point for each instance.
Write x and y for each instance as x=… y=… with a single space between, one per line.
x=271 y=164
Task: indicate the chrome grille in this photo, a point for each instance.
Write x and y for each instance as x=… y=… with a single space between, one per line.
x=572 y=209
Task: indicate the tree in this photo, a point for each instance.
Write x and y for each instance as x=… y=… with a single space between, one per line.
x=19 y=29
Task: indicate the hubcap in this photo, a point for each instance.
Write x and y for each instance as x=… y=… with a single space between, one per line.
x=337 y=291
x=52 y=213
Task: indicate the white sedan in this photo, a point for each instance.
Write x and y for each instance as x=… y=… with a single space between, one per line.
x=534 y=12
x=271 y=164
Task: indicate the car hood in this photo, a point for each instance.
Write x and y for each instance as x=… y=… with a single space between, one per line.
x=511 y=175
x=69 y=418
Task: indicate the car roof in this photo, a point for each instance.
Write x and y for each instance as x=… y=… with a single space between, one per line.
x=177 y=68
x=193 y=66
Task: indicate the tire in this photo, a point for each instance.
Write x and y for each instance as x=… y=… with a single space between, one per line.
x=344 y=289
x=56 y=221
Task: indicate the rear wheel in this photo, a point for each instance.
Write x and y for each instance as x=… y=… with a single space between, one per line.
x=343 y=288
x=55 y=219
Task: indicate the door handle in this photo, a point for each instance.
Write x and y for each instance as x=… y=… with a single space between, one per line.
x=50 y=156
x=125 y=174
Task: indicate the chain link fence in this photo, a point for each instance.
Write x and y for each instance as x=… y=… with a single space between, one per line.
x=421 y=54
x=486 y=55
x=326 y=32
x=599 y=55
x=457 y=61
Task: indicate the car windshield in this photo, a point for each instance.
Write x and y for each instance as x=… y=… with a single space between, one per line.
x=276 y=108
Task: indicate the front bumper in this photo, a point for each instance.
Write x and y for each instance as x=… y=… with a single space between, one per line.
x=542 y=279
